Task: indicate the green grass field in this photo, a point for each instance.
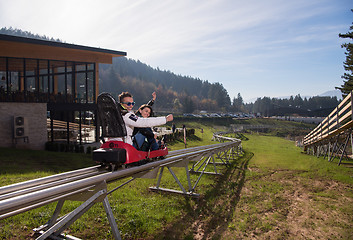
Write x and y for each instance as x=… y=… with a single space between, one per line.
x=275 y=153
x=273 y=191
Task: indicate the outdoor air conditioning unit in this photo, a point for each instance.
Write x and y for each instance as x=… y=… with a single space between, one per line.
x=20 y=127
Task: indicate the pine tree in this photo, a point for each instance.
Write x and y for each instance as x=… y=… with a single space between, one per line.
x=238 y=103
x=347 y=86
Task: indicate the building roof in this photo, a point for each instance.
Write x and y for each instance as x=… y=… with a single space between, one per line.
x=14 y=46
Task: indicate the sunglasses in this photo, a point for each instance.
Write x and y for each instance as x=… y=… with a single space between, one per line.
x=129 y=103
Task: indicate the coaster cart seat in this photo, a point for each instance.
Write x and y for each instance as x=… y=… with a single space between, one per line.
x=113 y=153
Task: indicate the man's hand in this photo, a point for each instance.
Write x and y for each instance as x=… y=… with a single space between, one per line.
x=169 y=118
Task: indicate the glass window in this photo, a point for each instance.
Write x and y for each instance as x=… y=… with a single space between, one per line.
x=15 y=66
x=43 y=82
x=2 y=81
x=14 y=81
x=80 y=67
x=81 y=86
x=90 y=86
x=30 y=84
x=73 y=79
x=31 y=67
x=58 y=65
x=43 y=67
x=43 y=76
x=90 y=66
x=61 y=70
x=69 y=67
x=3 y=85
x=61 y=83
x=69 y=83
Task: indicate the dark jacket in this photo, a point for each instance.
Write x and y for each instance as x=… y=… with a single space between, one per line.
x=148 y=132
x=144 y=131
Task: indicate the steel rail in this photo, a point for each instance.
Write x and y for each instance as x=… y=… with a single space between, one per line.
x=31 y=199
x=44 y=182
x=48 y=179
x=186 y=150
x=46 y=185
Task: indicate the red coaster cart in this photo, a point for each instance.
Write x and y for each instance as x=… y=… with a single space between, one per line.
x=112 y=153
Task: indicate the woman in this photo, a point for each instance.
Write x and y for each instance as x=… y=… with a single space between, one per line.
x=145 y=138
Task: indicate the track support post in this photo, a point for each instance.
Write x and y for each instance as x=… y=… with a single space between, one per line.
x=55 y=226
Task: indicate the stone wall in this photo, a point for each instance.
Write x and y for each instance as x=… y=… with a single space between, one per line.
x=35 y=115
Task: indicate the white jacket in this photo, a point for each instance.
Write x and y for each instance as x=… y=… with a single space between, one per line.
x=131 y=121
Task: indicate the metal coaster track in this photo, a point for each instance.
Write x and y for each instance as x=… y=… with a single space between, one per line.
x=89 y=185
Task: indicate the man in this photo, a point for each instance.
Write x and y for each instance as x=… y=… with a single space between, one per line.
x=131 y=120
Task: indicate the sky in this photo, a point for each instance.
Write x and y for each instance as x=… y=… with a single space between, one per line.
x=272 y=48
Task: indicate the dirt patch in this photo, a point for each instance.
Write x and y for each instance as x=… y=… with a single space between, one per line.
x=292 y=207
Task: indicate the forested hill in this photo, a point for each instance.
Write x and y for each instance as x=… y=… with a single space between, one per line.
x=174 y=92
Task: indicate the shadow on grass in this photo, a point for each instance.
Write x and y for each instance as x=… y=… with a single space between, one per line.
x=241 y=137
x=213 y=211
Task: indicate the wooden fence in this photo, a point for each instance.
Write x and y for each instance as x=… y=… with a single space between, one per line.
x=70 y=131
x=57 y=124
x=337 y=122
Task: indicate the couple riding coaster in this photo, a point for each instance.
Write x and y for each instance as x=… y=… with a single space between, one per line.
x=114 y=154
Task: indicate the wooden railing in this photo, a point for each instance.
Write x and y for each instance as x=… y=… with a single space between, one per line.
x=338 y=121
x=57 y=124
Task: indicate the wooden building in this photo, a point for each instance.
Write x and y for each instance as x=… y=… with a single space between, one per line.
x=62 y=76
